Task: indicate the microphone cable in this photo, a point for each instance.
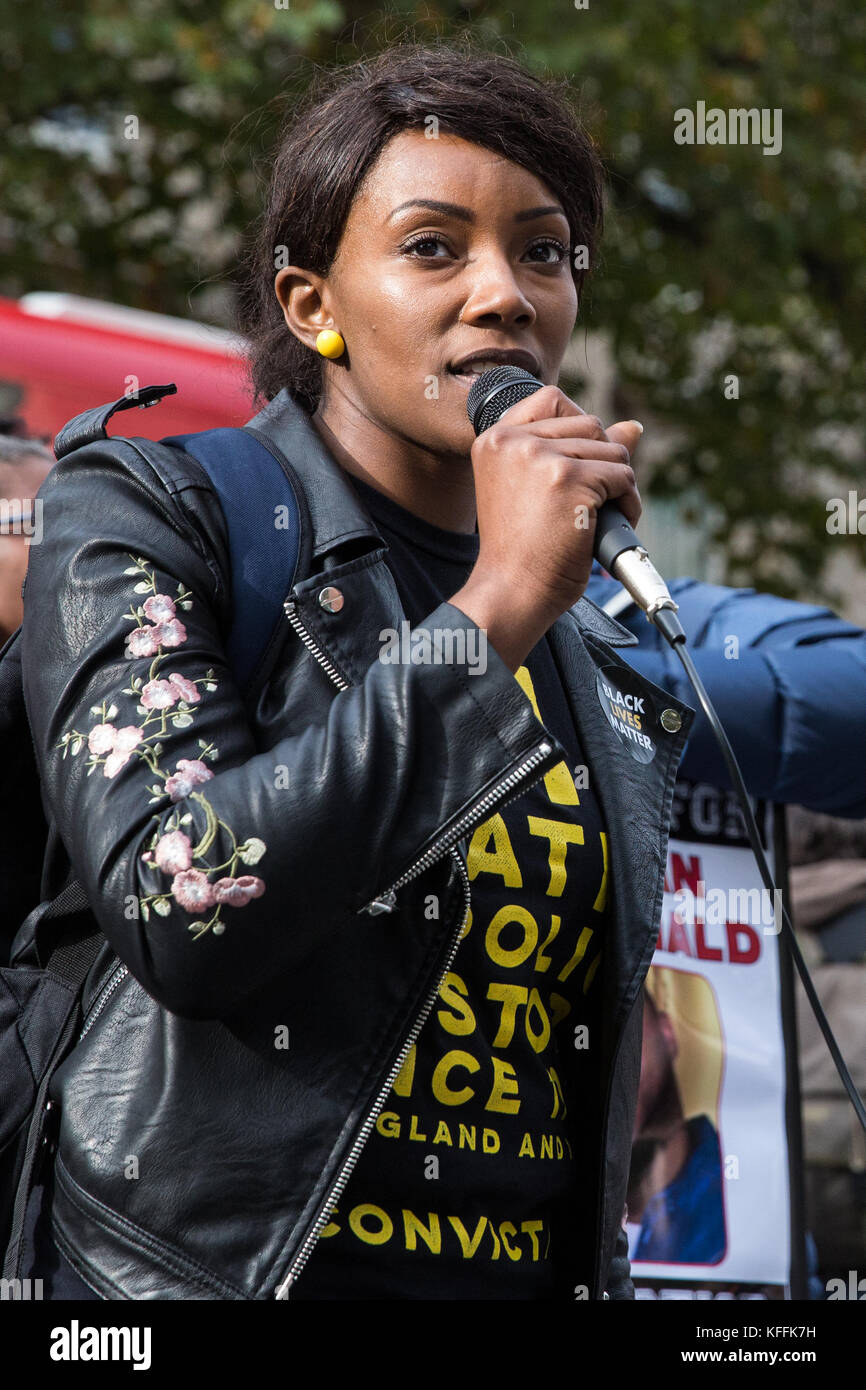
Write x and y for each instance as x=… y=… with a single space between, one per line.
x=671 y=629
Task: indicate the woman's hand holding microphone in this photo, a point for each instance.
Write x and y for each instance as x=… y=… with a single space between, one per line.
x=541 y=473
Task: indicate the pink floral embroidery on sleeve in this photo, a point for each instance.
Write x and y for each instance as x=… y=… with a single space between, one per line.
x=163 y=699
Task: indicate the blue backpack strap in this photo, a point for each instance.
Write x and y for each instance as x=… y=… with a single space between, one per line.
x=268 y=547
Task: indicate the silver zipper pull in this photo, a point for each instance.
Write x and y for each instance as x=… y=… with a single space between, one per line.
x=386 y=903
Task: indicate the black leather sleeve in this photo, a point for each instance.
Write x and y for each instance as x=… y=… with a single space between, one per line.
x=619 y=1283
x=209 y=865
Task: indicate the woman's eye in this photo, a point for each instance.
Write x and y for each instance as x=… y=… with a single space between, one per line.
x=426 y=240
x=550 y=245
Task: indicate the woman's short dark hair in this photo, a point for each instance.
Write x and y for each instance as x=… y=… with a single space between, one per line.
x=333 y=135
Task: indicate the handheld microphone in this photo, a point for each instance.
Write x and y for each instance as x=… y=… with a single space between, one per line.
x=615 y=545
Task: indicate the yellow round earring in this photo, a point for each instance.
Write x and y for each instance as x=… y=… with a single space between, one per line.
x=330 y=344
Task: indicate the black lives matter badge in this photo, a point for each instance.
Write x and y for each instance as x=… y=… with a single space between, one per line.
x=629 y=710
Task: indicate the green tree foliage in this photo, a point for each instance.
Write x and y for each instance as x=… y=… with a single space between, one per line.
x=727 y=270
x=732 y=282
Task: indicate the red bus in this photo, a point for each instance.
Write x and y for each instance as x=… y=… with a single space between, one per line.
x=61 y=354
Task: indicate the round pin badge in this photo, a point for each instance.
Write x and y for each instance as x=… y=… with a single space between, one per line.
x=629 y=711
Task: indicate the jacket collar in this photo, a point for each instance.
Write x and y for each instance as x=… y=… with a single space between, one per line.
x=338 y=515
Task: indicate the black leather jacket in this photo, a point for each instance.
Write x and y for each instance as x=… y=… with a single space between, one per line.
x=196 y=1158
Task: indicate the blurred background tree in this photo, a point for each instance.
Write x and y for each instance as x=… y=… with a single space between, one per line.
x=732 y=284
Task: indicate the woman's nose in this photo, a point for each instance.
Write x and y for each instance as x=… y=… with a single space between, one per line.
x=496 y=293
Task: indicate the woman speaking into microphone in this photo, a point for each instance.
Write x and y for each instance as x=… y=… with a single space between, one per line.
x=402 y=1059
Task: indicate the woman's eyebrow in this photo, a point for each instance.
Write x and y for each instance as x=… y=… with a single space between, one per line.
x=466 y=214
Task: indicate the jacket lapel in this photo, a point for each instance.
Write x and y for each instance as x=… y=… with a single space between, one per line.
x=635 y=799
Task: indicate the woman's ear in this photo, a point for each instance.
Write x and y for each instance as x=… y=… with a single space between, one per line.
x=303 y=299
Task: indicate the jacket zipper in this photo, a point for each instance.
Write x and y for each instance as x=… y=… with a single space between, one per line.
x=363 y=1134
x=114 y=982
x=291 y=606
x=513 y=784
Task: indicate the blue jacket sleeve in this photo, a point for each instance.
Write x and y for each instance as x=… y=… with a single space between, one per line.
x=788 y=681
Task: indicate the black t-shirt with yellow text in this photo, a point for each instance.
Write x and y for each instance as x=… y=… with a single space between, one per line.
x=461 y=1189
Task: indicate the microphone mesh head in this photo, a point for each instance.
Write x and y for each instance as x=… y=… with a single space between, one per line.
x=509 y=384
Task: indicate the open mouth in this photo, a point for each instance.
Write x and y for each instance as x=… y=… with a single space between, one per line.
x=466 y=378
x=468 y=372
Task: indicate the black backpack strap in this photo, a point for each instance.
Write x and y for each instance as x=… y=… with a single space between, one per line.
x=74 y=950
x=71 y=898
x=60 y=935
